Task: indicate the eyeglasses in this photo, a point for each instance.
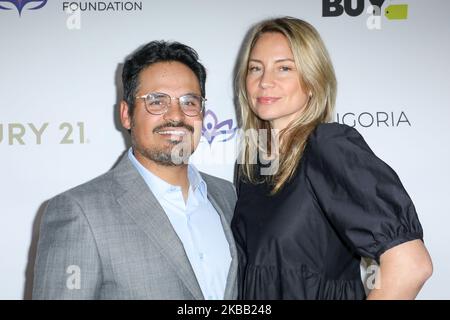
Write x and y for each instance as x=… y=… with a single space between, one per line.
x=158 y=103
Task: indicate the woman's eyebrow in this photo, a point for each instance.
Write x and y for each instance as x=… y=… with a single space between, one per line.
x=276 y=61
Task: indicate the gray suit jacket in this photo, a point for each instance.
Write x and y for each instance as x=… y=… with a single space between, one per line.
x=110 y=239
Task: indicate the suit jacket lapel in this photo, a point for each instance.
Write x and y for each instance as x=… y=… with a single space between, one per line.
x=139 y=202
x=232 y=274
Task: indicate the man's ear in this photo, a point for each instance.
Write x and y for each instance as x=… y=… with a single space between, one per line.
x=125 y=118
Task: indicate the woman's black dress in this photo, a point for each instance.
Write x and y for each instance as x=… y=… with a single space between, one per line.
x=306 y=242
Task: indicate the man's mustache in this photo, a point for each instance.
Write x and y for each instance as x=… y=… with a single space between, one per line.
x=180 y=124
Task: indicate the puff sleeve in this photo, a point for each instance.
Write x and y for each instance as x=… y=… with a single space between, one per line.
x=360 y=195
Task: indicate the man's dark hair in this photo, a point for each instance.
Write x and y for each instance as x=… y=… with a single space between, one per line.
x=153 y=52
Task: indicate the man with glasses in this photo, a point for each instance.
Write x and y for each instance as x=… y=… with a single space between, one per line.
x=153 y=227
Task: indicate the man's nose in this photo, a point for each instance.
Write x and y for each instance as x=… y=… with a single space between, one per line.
x=174 y=112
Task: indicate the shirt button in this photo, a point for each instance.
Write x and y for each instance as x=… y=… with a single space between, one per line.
x=201 y=256
x=210 y=297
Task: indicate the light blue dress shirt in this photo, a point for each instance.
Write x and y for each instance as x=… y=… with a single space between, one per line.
x=198 y=226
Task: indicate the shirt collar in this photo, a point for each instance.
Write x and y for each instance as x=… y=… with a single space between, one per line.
x=196 y=181
x=159 y=187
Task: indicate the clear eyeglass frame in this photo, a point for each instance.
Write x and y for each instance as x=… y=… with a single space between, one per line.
x=157 y=103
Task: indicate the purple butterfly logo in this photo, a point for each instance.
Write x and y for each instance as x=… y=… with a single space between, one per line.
x=212 y=128
x=20 y=4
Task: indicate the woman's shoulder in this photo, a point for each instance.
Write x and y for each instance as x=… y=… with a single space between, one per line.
x=333 y=130
x=328 y=138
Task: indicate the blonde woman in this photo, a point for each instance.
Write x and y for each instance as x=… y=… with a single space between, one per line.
x=302 y=230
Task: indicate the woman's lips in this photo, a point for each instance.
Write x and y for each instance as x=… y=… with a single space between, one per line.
x=267 y=100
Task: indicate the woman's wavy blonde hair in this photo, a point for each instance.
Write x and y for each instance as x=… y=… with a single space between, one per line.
x=317 y=78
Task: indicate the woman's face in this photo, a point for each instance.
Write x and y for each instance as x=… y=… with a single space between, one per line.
x=273 y=81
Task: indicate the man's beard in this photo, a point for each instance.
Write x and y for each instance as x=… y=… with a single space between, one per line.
x=176 y=153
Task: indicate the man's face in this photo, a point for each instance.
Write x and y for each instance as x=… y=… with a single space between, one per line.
x=168 y=138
